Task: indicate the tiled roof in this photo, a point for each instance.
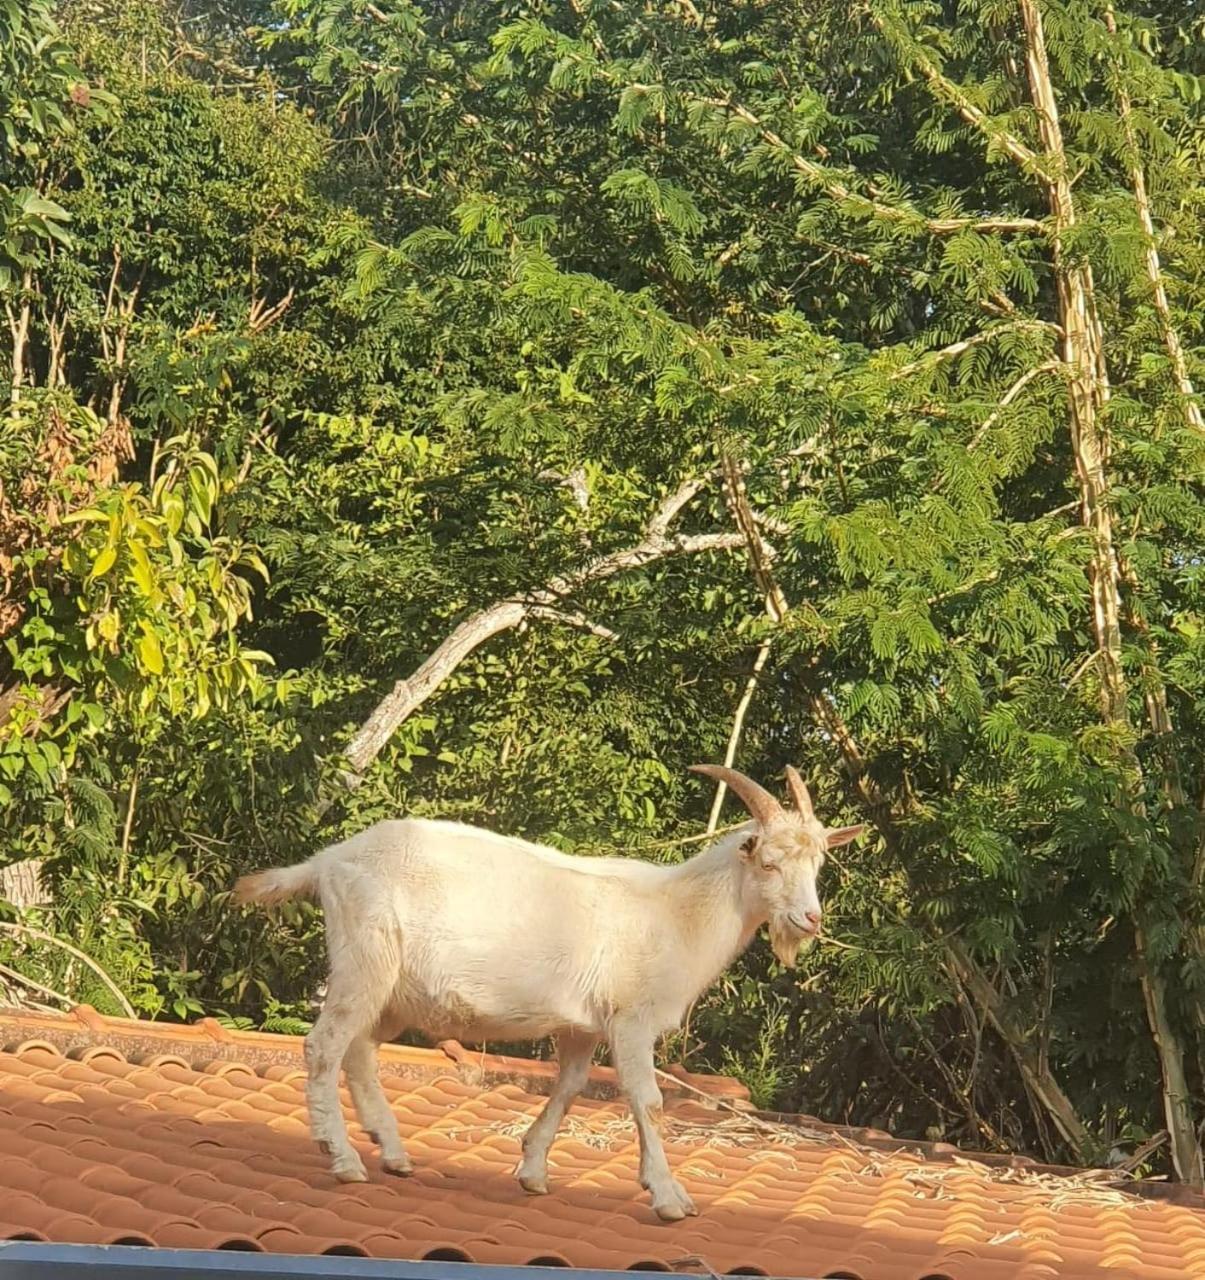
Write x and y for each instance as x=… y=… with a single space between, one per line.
x=130 y=1132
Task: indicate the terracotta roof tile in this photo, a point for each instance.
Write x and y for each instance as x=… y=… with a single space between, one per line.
x=120 y=1132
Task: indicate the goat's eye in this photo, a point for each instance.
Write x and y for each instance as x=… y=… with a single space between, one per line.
x=771 y=866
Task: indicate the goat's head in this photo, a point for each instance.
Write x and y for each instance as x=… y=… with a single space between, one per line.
x=782 y=858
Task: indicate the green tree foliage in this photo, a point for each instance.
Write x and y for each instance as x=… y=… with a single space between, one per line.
x=337 y=324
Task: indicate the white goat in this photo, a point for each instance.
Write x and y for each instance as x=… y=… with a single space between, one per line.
x=461 y=933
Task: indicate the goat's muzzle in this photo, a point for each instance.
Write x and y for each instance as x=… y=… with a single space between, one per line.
x=788 y=934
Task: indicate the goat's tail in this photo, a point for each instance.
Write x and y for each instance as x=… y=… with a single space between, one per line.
x=277 y=885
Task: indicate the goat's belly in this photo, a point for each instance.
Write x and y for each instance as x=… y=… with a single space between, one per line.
x=452 y=1016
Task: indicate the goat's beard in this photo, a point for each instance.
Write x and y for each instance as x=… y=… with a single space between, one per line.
x=786 y=943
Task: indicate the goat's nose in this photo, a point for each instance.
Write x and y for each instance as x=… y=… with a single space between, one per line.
x=813 y=917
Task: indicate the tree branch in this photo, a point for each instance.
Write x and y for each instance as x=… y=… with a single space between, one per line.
x=409 y=694
x=947 y=91
x=738 y=727
x=21 y=930
x=836 y=190
x=1154 y=268
x=1009 y=396
x=261 y=316
x=571 y=618
x=14 y=976
x=1037 y=1075
x=956 y=349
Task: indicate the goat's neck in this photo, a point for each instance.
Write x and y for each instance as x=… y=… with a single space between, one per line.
x=716 y=922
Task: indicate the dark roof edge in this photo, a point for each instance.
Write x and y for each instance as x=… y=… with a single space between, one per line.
x=25 y=1260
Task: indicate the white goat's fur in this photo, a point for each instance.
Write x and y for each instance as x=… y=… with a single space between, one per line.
x=462 y=933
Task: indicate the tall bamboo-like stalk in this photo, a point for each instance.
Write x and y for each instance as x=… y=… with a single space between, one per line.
x=1088 y=386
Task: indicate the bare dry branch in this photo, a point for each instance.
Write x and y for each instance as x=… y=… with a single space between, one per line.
x=571 y=618
x=409 y=694
x=261 y=316
x=36 y=935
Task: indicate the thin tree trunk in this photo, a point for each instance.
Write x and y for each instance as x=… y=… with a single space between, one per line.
x=1031 y=1062
x=18 y=326
x=738 y=504
x=1084 y=360
x=409 y=694
x=1083 y=353
x=738 y=727
x=1177 y=1098
x=56 y=364
x=120 y=375
x=1158 y=711
x=123 y=866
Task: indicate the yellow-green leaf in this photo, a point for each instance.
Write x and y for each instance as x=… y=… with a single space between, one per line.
x=140 y=569
x=173 y=511
x=89 y=515
x=201 y=704
x=104 y=562
x=202 y=493
x=109 y=625
x=150 y=653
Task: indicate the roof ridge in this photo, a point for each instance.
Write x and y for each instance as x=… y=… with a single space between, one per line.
x=84 y=1026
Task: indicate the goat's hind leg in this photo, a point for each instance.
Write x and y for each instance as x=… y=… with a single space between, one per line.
x=362 y=1071
x=349 y=1013
x=573 y=1056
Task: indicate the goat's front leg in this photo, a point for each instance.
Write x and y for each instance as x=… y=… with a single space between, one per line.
x=632 y=1052
x=573 y=1056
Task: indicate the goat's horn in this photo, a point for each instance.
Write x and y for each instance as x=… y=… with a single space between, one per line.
x=760 y=803
x=799 y=792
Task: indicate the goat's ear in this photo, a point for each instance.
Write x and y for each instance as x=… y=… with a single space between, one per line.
x=843 y=835
x=749 y=848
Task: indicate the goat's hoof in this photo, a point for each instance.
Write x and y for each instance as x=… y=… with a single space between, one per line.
x=676 y=1206
x=350 y=1172
x=534 y=1184
x=324 y=1146
x=398 y=1166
